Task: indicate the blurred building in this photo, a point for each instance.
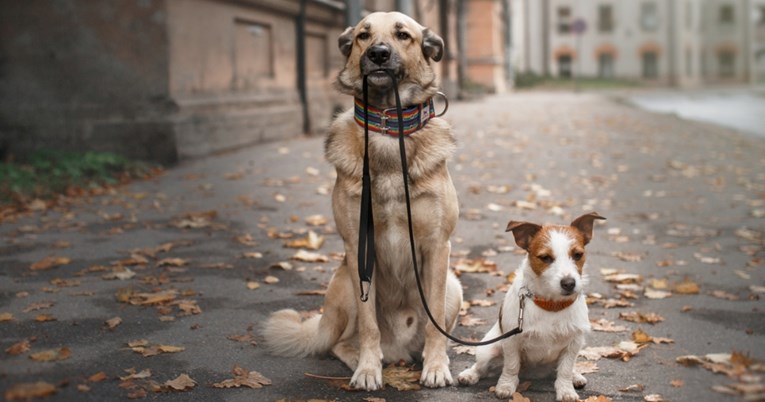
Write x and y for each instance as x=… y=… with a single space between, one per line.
x=167 y=80
x=676 y=42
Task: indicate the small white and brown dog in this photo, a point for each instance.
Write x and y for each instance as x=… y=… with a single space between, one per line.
x=555 y=323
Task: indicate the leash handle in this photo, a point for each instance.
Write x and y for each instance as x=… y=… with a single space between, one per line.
x=366 y=252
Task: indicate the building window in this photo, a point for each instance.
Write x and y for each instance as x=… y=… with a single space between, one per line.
x=565 y=66
x=253 y=53
x=727 y=64
x=726 y=14
x=605 y=18
x=649 y=18
x=650 y=65
x=606 y=65
x=564 y=20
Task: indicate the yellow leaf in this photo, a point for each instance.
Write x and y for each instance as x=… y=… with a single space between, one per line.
x=6 y=317
x=28 y=391
x=687 y=288
x=51 y=355
x=181 y=383
x=50 y=262
x=252 y=285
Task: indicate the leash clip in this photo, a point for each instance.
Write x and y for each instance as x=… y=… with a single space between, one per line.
x=446 y=103
x=365 y=285
x=524 y=293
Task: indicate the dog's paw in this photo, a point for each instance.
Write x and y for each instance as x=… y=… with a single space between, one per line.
x=468 y=377
x=367 y=378
x=435 y=375
x=506 y=388
x=564 y=392
x=579 y=381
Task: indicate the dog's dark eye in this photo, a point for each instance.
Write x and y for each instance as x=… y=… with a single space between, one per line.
x=547 y=259
x=363 y=36
x=401 y=35
x=577 y=255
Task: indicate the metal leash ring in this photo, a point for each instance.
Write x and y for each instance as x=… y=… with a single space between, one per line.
x=446 y=103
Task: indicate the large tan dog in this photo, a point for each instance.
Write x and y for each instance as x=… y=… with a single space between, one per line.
x=392 y=324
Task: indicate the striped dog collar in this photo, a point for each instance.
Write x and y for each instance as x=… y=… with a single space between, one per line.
x=385 y=121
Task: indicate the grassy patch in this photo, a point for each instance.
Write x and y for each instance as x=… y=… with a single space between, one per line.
x=47 y=174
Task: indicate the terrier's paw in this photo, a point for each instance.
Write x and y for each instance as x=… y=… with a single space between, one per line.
x=436 y=375
x=579 y=381
x=506 y=388
x=468 y=377
x=367 y=378
x=564 y=392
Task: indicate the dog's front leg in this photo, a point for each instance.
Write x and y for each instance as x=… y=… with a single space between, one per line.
x=564 y=386
x=508 y=381
x=435 y=370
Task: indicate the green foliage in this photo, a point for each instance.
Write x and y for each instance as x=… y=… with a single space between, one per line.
x=46 y=173
x=533 y=80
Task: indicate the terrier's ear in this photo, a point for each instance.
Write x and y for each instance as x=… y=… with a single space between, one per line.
x=585 y=223
x=345 y=41
x=432 y=45
x=523 y=232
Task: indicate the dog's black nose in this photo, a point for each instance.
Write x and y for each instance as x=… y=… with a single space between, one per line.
x=568 y=284
x=379 y=54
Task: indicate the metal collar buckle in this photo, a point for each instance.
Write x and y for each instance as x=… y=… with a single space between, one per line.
x=384 y=120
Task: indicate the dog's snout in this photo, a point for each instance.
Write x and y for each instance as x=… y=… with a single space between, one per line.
x=379 y=54
x=568 y=284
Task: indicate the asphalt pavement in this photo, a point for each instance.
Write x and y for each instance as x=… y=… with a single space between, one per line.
x=176 y=274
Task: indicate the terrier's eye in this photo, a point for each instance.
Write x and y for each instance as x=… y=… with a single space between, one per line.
x=363 y=36
x=546 y=258
x=401 y=35
x=577 y=255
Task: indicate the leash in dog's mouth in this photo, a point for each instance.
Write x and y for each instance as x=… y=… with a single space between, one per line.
x=366 y=251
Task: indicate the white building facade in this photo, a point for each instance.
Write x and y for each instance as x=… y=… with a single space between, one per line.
x=676 y=42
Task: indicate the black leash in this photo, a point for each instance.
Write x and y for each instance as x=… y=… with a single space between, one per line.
x=366 y=254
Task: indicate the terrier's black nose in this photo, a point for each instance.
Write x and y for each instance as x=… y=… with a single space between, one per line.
x=568 y=284
x=379 y=54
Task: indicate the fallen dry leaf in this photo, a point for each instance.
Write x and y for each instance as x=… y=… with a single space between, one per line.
x=586 y=367
x=475 y=266
x=654 y=398
x=470 y=321
x=401 y=377
x=311 y=241
x=132 y=375
x=45 y=318
x=464 y=350
x=252 y=285
x=677 y=383
x=307 y=256
x=18 y=348
x=634 y=316
x=51 y=355
x=244 y=378
x=172 y=262
x=98 y=377
x=641 y=337
x=721 y=294
x=252 y=255
x=316 y=220
x=656 y=294
x=113 y=322
x=270 y=280
x=49 y=263
x=517 y=397
x=181 y=383
x=687 y=288
x=633 y=388
x=6 y=317
x=603 y=325
x=38 y=306
x=28 y=391
x=599 y=398
x=248 y=338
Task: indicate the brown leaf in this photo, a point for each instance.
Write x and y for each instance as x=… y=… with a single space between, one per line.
x=248 y=338
x=28 y=391
x=656 y=294
x=628 y=257
x=316 y=220
x=311 y=241
x=475 y=266
x=113 y=322
x=244 y=378
x=19 y=347
x=51 y=355
x=586 y=367
x=599 y=398
x=677 y=383
x=98 y=377
x=132 y=375
x=634 y=316
x=307 y=256
x=317 y=292
x=50 y=262
x=687 y=288
x=517 y=397
x=172 y=262
x=45 y=318
x=654 y=398
x=721 y=294
x=482 y=302
x=603 y=325
x=137 y=394
x=633 y=388
x=38 y=306
x=181 y=383
x=270 y=280
x=6 y=317
x=252 y=285
x=470 y=321
x=403 y=378
x=641 y=337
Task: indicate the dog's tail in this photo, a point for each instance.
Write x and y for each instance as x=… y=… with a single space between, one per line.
x=286 y=334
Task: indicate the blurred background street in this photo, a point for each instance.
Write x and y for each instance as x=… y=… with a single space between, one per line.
x=163 y=189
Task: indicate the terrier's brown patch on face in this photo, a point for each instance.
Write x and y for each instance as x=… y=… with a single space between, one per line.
x=541 y=255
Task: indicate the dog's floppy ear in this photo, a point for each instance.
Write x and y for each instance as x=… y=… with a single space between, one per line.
x=432 y=45
x=345 y=41
x=523 y=232
x=584 y=225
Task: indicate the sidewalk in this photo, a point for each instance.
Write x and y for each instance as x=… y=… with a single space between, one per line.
x=191 y=259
